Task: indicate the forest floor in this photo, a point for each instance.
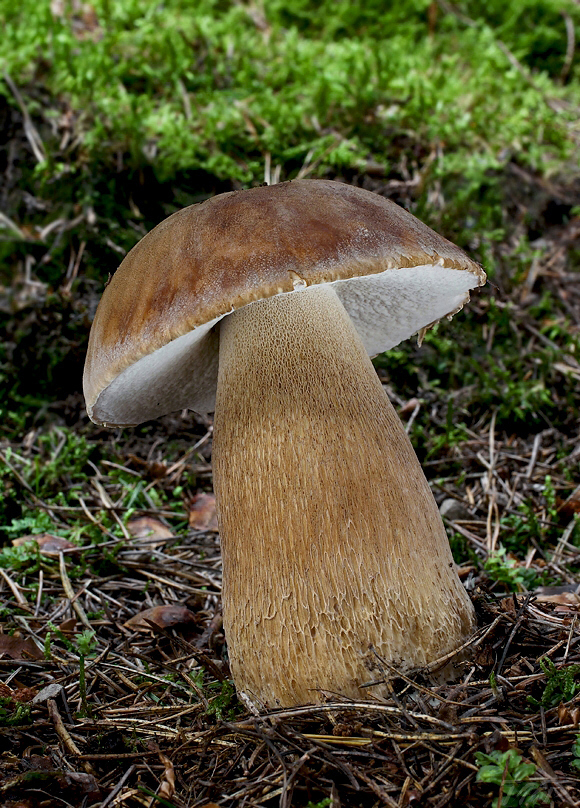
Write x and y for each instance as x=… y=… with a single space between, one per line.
x=115 y=685
x=114 y=682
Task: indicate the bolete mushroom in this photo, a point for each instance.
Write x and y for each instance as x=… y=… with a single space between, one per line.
x=334 y=552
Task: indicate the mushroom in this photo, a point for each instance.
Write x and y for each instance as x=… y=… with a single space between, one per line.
x=264 y=305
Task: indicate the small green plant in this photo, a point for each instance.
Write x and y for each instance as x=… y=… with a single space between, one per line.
x=224 y=704
x=221 y=696
x=86 y=642
x=508 y=571
x=26 y=557
x=86 y=710
x=155 y=799
x=561 y=684
x=493 y=684
x=550 y=497
x=576 y=752
x=322 y=804
x=12 y=714
x=519 y=529
x=508 y=771
x=52 y=633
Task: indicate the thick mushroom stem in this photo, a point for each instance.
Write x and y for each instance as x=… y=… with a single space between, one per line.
x=332 y=542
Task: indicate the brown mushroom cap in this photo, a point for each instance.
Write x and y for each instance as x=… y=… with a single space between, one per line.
x=153 y=348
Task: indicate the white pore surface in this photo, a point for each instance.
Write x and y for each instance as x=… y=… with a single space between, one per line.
x=385 y=308
x=388 y=308
x=181 y=375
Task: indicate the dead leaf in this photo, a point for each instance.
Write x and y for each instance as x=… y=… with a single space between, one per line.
x=571 y=506
x=68 y=626
x=567 y=599
x=21 y=695
x=157 y=471
x=19 y=647
x=5 y=691
x=162 y=616
x=51 y=691
x=454 y=510
x=202 y=512
x=484 y=655
x=167 y=787
x=83 y=783
x=38 y=763
x=541 y=762
x=564 y=597
x=564 y=716
x=509 y=604
x=556 y=590
x=567 y=716
x=408 y=408
x=48 y=544
x=146 y=527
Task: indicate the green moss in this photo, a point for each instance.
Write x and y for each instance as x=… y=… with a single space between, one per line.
x=182 y=89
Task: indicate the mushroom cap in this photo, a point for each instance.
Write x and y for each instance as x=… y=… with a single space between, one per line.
x=153 y=346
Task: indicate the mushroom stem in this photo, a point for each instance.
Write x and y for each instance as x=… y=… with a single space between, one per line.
x=332 y=542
